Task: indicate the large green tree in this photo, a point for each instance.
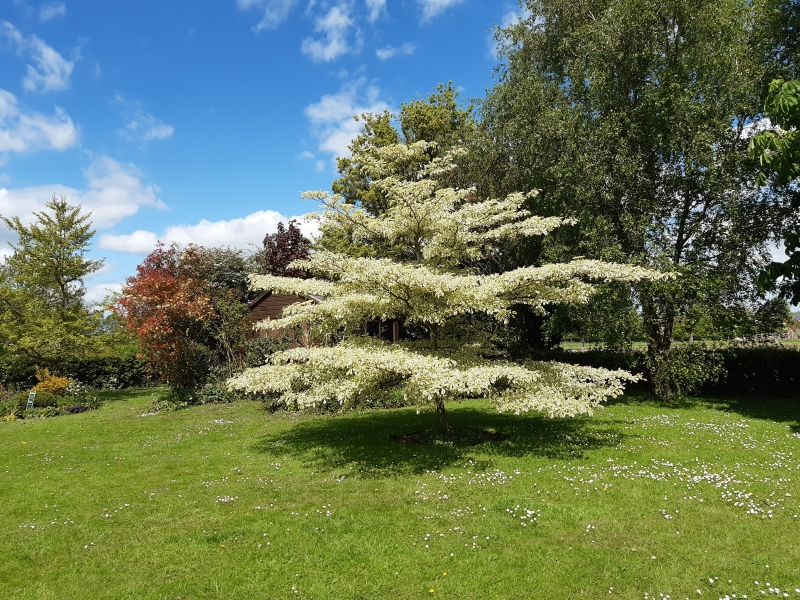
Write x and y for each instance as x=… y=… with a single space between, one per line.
x=778 y=152
x=440 y=119
x=631 y=116
x=43 y=315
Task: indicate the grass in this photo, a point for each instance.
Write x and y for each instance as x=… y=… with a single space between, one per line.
x=228 y=501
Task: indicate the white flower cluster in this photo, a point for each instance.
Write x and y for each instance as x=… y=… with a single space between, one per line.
x=362 y=289
x=360 y=368
x=439 y=226
x=432 y=235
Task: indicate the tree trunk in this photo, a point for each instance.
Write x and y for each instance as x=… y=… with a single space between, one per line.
x=434 y=331
x=659 y=320
x=444 y=424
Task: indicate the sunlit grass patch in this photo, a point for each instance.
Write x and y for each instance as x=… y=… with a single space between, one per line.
x=231 y=501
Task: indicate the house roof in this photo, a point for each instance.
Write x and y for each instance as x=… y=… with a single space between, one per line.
x=268 y=293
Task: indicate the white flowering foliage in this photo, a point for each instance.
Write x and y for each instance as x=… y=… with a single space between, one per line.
x=358 y=369
x=440 y=227
x=436 y=239
x=361 y=289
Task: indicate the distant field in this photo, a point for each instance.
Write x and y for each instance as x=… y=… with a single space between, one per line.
x=699 y=500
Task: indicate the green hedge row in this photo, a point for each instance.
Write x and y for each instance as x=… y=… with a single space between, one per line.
x=109 y=372
x=756 y=371
x=759 y=372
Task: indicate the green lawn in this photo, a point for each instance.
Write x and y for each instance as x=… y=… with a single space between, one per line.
x=228 y=501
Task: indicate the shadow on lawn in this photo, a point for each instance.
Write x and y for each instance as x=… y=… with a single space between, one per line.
x=363 y=440
x=129 y=393
x=778 y=410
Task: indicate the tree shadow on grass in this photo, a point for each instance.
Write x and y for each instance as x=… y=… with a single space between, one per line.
x=778 y=410
x=361 y=444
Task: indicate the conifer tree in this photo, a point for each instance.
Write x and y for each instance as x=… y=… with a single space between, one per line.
x=42 y=312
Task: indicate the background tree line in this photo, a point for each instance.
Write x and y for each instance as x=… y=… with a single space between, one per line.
x=638 y=119
x=635 y=118
x=182 y=319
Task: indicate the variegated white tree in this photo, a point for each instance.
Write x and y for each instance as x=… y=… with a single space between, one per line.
x=432 y=238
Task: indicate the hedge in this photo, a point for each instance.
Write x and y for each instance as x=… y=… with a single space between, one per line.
x=748 y=371
x=758 y=371
x=113 y=372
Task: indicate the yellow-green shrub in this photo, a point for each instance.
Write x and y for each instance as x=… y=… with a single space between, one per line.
x=50 y=383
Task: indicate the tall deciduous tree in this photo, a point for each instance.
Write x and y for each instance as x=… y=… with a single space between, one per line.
x=631 y=116
x=440 y=119
x=165 y=306
x=434 y=235
x=778 y=151
x=225 y=272
x=186 y=306
x=42 y=310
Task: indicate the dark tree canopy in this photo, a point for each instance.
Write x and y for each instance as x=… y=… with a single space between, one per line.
x=778 y=152
x=281 y=248
x=632 y=117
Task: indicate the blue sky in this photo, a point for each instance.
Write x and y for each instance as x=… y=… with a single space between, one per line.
x=203 y=121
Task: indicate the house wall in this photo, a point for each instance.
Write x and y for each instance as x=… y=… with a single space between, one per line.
x=271 y=307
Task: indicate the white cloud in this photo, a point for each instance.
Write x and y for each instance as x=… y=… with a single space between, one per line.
x=144 y=127
x=138 y=242
x=236 y=233
x=434 y=8
x=25 y=131
x=275 y=11
x=51 y=10
x=376 y=8
x=332 y=117
x=754 y=128
x=52 y=71
x=103 y=282
x=334 y=26
x=113 y=192
x=140 y=126
x=96 y=293
x=391 y=51
x=116 y=191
